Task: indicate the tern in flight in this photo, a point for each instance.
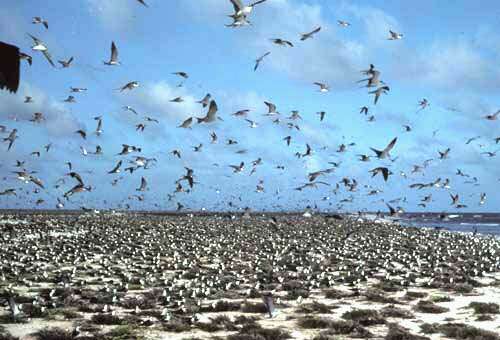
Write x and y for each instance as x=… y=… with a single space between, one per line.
x=40 y=46
x=381 y=154
x=309 y=35
x=114 y=56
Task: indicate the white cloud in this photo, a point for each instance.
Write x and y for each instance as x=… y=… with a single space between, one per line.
x=114 y=14
x=59 y=122
x=154 y=98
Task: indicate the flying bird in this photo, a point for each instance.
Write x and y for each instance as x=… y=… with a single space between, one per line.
x=143 y=186
x=343 y=23
x=260 y=59
x=381 y=154
x=65 y=63
x=383 y=89
x=40 y=46
x=39 y=20
x=11 y=138
x=395 y=35
x=322 y=87
x=382 y=170
x=271 y=109
x=282 y=42
x=113 y=60
x=129 y=86
x=142 y=2
x=309 y=35
x=116 y=169
x=493 y=116
x=211 y=115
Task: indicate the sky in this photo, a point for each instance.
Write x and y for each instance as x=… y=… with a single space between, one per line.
x=448 y=55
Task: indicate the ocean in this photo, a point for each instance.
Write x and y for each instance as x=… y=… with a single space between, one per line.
x=482 y=223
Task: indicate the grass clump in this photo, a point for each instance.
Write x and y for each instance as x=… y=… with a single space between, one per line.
x=397 y=332
x=176 y=326
x=440 y=298
x=257 y=332
x=54 y=333
x=123 y=333
x=465 y=332
x=336 y=294
x=429 y=328
x=223 y=306
x=365 y=317
x=312 y=322
x=485 y=308
x=375 y=295
x=250 y=307
x=425 y=306
x=396 y=312
x=411 y=295
x=106 y=319
x=315 y=307
x=219 y=323
x=343 y=327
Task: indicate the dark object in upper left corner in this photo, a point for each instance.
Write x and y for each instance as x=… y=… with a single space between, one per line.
x=9 y=67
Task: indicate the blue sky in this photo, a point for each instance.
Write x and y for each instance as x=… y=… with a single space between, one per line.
x=448 y=55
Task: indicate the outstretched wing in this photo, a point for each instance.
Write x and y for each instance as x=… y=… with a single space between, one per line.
x=114 y=52
x=391 y=145
x=238 y=6
x=9 y=67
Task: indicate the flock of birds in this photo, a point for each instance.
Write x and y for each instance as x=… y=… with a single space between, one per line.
x=186 y=182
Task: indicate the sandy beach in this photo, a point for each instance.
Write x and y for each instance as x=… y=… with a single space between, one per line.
x=137 y=277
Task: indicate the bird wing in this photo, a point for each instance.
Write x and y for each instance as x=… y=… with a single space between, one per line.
x=114 y=52
x=35 y=39
x=391 y=145
x=257 y=2
x=238 y=6
x=315 y=31
x=10 y=67
x=271 y=107
x=48 y=57
x=212 y=110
